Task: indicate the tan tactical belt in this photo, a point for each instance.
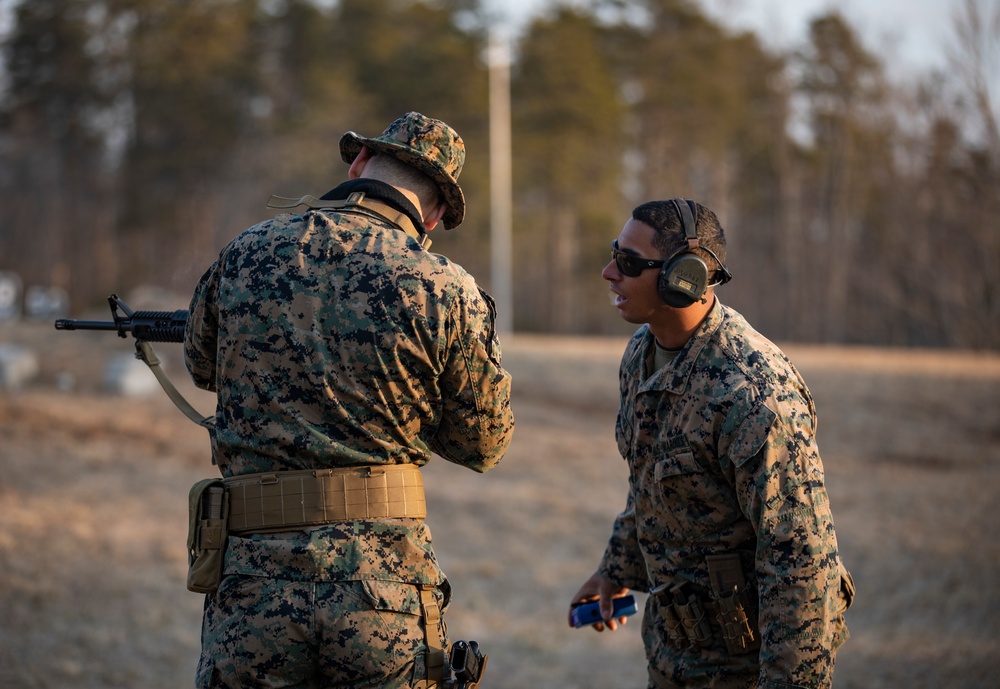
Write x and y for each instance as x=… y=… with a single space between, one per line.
x=282 y=500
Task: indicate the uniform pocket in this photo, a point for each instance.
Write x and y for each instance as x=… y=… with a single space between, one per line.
x=397 y=614
x=692 y=501
x=801 y=539
x=392 y=596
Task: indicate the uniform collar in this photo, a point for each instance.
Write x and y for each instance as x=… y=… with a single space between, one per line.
x=375 y=189
x=674 y=377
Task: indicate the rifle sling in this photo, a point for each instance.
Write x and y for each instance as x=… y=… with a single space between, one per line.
x=144 y=351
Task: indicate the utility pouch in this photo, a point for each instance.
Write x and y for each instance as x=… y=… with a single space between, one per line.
x=208 y=512
x=736 y=617
x=675 y=630
x=736 y=630
x=693 y=620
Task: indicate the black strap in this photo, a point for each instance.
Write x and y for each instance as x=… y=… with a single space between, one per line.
x=688 y=213
x=357 y=201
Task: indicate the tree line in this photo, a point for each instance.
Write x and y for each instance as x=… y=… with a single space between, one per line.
x=861 y=205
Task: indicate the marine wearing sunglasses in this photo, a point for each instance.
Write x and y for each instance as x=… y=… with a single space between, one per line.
x=631 y=265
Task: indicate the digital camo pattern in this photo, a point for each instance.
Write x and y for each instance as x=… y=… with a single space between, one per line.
x=334 y=340
x=362 y=635
x=390 y=550
x=430 y=145
x=722 y=458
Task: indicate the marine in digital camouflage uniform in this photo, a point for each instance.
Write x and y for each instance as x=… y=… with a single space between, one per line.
x=725 y=481
x=333 y=338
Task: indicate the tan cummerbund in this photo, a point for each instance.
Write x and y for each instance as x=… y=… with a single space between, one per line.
x=288 y=499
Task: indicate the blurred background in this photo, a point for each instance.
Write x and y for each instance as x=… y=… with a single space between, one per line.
x=850 y=149
x=851 y=153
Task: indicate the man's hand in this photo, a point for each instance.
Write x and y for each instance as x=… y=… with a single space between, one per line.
x=599 y=588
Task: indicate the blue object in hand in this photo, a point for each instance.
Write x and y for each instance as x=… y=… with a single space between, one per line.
x=585 y=614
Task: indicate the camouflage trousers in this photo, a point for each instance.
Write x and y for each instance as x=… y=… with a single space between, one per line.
x=269 y=633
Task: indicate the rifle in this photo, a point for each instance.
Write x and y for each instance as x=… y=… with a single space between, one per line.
x=146 y=327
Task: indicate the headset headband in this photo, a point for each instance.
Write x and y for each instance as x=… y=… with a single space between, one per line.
x=688 y=213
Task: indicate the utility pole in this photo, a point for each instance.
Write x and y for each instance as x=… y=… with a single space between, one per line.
x=501 y=201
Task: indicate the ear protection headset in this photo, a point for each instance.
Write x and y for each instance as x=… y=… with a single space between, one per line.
x=684 y=277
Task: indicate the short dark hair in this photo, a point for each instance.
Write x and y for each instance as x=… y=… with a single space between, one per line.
x=391 y=170
x=668 y=230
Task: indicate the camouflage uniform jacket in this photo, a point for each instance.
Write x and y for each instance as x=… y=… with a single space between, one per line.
x=722 y=458
x=333 y=339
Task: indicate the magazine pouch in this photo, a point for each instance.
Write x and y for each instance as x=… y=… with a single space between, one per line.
x=208 y=513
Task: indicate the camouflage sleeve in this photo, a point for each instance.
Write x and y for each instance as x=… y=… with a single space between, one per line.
x=623 y=562
x=798 y=565
x=476 y=421
x=201 y=332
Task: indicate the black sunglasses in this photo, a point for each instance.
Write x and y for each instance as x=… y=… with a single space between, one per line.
x=631 y=265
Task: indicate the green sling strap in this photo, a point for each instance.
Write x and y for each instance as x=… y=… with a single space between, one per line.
x=144 y=351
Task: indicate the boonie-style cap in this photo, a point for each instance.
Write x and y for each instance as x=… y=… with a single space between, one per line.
x=427 y=144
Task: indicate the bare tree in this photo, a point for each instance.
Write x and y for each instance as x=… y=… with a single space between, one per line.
x=975 y=58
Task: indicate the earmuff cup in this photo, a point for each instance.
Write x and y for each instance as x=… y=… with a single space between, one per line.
x=683 y=280
x=684 y=277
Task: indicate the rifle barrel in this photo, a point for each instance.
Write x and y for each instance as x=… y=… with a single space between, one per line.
x=148 y=326
x=71 y=324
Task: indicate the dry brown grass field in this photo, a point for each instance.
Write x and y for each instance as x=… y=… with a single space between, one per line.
x=93 y=491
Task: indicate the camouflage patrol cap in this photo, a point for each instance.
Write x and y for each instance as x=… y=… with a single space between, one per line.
x=429 y=145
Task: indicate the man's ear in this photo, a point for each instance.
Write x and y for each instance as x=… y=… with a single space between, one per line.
x=434 y=216
x=358 y=166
